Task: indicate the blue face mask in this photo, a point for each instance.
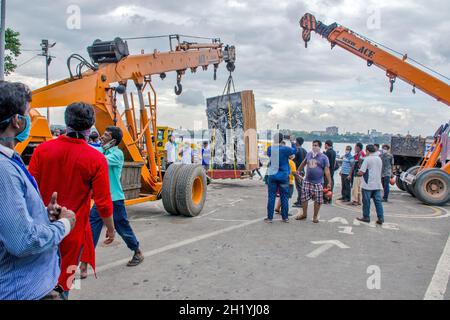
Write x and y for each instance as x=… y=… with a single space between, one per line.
x=21 y=137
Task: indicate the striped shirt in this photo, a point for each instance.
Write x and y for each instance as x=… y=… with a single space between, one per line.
x=29 y=258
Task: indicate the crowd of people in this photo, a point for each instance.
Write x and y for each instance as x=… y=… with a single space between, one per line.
x=365 y=176
x=47 y=225
x=186 y=153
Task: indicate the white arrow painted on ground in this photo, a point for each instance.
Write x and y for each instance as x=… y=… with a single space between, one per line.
x=339 y=219
x=326 y=244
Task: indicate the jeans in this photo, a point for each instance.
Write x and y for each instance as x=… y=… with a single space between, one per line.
x=121 y=224
x=283 y=186
x=386 y=185
x=346 y=187
x=376 y=196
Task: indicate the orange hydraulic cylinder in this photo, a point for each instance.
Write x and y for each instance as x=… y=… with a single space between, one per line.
x=148 y=137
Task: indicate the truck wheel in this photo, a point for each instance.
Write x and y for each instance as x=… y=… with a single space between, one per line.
x=399 y=183
x=433 y=187
x=169 y=188
x=410 y=187
x=191 y=190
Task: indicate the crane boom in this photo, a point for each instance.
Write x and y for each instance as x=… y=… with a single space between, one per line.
x=115 y=65
x=365 y=49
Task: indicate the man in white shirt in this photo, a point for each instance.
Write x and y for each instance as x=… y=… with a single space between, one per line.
x=186 y=154
x=171 y=151
x=371 y=185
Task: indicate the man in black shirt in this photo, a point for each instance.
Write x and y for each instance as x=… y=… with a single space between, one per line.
x=331 y=154
x=300 y=155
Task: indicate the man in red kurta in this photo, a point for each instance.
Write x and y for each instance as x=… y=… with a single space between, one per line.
x=76 y=171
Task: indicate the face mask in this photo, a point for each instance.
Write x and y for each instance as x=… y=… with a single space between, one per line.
x=347 y=152
x=109 y=145
x=22 y=136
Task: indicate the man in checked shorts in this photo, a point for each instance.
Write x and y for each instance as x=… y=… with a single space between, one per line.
x=317 y=165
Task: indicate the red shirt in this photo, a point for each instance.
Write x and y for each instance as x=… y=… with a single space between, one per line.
x=76 y=171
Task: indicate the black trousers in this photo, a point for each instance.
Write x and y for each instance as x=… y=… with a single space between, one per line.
x=346 y=187
x=298 y=186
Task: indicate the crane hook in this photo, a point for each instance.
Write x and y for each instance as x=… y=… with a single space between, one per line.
x=178 y=88
x=392 y=81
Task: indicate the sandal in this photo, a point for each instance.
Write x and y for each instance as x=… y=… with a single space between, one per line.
x=137 y=259
x=302 y=217
x=315 y=221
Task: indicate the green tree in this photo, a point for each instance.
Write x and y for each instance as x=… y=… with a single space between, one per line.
x=12 y=50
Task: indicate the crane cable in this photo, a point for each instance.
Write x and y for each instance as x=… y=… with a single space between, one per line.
x=228 y=85
x=401 y=54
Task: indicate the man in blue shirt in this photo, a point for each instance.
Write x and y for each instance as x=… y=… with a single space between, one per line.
x=30 y=232
x=278 y=177
x=110 y=140
x=348 y=162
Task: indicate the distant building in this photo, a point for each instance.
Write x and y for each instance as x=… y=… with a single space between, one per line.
x=375 y=134
x=332 y=130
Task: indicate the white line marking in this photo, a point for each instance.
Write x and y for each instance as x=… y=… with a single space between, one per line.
x=206 y=214
x=231 y=204
x=178 y=244
x=438 y=285
x=234 y=202
x=227 y=220
x=325 y=245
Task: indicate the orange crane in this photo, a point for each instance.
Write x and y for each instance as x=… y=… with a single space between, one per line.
x=108 y=74
x=428 y=183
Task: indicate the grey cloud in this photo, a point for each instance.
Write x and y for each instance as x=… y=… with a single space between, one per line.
x=191 y=98
x=272 y=59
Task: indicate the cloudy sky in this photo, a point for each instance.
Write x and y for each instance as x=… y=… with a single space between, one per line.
x=298 y=88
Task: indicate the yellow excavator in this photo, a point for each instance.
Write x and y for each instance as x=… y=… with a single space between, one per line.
x=103 y=80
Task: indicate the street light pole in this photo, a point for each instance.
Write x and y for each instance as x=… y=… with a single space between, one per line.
x=2 y=39
x=48 y=59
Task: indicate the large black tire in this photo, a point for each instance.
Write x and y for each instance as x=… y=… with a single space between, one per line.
x=400 y=183
x=169 y=189
x=410 y=187
x=191 y=190
x=433 y=187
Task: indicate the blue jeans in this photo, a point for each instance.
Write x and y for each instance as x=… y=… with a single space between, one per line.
x=275 y=183
x=121 y=224
x=386 y=185
x=376 y=196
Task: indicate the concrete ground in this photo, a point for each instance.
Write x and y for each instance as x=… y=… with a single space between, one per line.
x=228 y=252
